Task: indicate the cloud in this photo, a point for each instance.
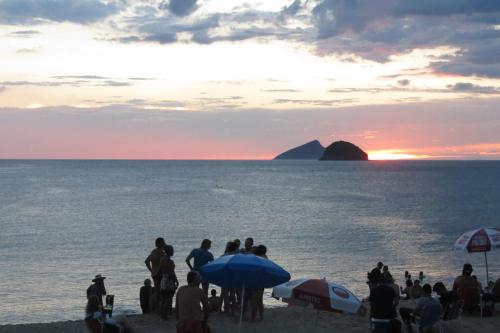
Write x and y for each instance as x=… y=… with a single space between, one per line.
x=280 y=90
x=377 y=30
x=36 y=11
x=33 y=83
x=246 y=23
x=88 y=81
x=315 y=102
x=27 y=50
x=24 y=33
x=112 y=83
x=83 y=77
x=446 y=7
x=292 y=9
x=404 y=82
x=180 y=7
x=472 y=88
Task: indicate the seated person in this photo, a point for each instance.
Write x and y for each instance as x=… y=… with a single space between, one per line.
x=446 y=298
x=467 y=289
x=492 y=297
x=191 y=306
x=465 y=280
x=416 y=291
x=407 y=290
x=96 y=321
x=214 y=302
x=428 y=310
x=145 y=296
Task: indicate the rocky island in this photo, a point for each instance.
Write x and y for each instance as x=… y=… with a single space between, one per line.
x=344 y=151
x=310 y=151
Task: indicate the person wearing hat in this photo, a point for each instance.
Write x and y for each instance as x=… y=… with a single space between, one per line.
x=97 y=288
x=465 y=280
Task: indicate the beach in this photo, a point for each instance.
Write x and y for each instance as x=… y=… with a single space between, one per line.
x=277 y=320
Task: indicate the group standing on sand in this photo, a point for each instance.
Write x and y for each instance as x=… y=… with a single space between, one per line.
x=192 y=306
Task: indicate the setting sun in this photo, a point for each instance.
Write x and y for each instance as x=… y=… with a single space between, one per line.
x=380 y=155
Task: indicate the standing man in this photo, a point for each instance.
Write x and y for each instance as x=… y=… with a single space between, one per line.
x=374 y=276
x=153 y=264
x=97 y=289
x=201 y=256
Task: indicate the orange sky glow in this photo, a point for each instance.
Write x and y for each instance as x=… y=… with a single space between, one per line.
x=247 y=79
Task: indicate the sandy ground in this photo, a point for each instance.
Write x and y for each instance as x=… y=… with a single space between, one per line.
x=277 y=320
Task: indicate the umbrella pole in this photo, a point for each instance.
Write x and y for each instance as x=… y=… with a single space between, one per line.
x=316 y=321
x=487 y=273
x=242 y=305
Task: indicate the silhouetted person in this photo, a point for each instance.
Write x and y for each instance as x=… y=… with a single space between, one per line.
x=97 y=288
x=237 y=242
x=145 y=296
x=416 y=290
x=386 y=274
x=228 y=295
x=169 y=282
x=257 y=295
x=374 y=276
x=465 y=280
x=214 y=302
x=201 y=257
x=446 y=298
x=383 y=306
x=191 y=306
x=248 y=246
x=425 y=302
x=153 y=264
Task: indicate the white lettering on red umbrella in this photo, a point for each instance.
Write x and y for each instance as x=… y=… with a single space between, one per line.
x=479 y=242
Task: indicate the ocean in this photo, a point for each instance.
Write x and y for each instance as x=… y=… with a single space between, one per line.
x=62 y=222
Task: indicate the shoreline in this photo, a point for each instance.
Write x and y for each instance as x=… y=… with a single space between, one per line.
x=276 y=320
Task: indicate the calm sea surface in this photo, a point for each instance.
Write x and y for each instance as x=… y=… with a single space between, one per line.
x=62 y=222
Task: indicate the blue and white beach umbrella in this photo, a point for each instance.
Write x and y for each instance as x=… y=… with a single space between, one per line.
x=244 y=271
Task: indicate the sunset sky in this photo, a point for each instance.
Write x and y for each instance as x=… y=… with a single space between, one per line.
x=231 y=79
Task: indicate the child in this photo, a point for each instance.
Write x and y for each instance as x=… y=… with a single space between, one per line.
x=214 y=302
x=145 y=296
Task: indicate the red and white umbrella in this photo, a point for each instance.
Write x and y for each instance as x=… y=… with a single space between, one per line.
x=479 y=240
x=321 y=294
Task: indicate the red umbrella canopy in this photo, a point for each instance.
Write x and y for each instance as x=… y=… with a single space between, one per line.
x=479 y=240
x=314 y=291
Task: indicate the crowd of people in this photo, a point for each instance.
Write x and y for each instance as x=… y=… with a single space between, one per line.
x=193 y=304
x=465 y=295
